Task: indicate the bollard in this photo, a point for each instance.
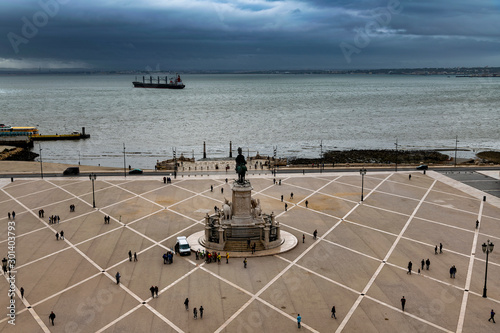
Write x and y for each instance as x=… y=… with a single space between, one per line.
x=484 y=198
x=11 y=179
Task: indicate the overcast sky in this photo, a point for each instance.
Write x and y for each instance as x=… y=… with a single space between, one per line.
x=248 y=34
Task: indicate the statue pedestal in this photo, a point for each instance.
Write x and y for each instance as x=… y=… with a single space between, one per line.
x=241 y=204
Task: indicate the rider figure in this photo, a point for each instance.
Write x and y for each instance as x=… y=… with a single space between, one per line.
x=241 y=166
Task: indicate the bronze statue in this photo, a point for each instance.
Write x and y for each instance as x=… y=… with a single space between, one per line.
x=241 y=167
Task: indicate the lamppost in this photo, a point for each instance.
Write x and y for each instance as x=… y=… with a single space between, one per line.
x=456 y=147
x=41 y=163
x=362 y=172
x=322 y=163
x=92 y=177
x=487 y=248
x=396 y=154
x=274 y=164
x=124 y=163
x=175 y=162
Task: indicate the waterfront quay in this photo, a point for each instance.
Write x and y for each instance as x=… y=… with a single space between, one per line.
x=358 y=262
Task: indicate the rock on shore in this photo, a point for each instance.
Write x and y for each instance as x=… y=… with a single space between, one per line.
x=379 y=156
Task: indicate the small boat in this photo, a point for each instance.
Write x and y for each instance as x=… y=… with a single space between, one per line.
x=160 y=83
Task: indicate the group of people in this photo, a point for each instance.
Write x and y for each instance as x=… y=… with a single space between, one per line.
x=154 y=291
x=13 y=215
x=168 y=257
x=54 y=219
x=60 y=234
x=41 y=213
x=130 y=255
x=195 y=311
x=106 y=219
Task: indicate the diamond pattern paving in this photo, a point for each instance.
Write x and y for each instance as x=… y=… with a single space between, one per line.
x=358 y=263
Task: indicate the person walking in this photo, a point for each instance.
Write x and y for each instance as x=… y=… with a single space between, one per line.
x=22 y=292
x=156 y=291
x=422 y=263
x=62 y=235
x=201 y=311
x=315 y=233
x=299 y=319
x=117 y=276
x=135 y=256
x=152 y=289
x=57 y=236
x=409 y=177
x=245 y=263
x=454 y=271
x=291 y=195
x=477 y=224
x=403 y=303
x=52 y=316
x=303 y=238
x=195 y=313
x=436 y=250
x=186 y=303
x=427 y=263
x=8 y=213
x=492 y=316
x=333 y=312
x=410 y=265
x=307 y=203
x=227 y=259
x=286 y=207
x=440 y=247
x=281 y=201
x=13 y=215
x=130 y=255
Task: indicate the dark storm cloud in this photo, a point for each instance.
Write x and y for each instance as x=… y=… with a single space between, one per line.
x=248 y=34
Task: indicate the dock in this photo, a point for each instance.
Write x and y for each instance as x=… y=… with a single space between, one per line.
x=50 y=137
x=53 y=137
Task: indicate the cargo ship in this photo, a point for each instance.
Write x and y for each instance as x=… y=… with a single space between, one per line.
x=160 y=83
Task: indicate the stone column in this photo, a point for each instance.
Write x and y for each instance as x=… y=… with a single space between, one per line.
x=241 y=204
x=221 y=235
x=266 y=235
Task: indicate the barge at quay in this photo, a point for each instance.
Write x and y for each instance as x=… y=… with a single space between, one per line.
x=160 y=83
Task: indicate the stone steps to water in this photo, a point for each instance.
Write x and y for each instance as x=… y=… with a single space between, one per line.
x=241 y=246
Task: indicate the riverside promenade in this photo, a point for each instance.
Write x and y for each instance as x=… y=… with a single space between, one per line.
x=358 y=263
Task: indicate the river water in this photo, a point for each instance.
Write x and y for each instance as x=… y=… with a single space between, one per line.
x=295 y=113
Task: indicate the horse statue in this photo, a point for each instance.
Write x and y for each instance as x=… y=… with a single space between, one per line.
x=227 y=211
x=256 y=210
x=241 y=167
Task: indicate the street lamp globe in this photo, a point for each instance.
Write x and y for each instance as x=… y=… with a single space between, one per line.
x=488 y=247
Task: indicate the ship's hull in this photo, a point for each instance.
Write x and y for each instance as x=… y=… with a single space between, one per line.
x=157 y=85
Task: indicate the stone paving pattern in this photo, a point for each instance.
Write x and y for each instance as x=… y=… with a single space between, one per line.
x=358 y=263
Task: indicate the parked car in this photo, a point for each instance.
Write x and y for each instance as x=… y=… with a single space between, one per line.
x=135 y=172
x=72 y=171
x=422 y=167
x=182 y=246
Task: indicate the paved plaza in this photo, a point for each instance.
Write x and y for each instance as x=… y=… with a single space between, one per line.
x=358 y=263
